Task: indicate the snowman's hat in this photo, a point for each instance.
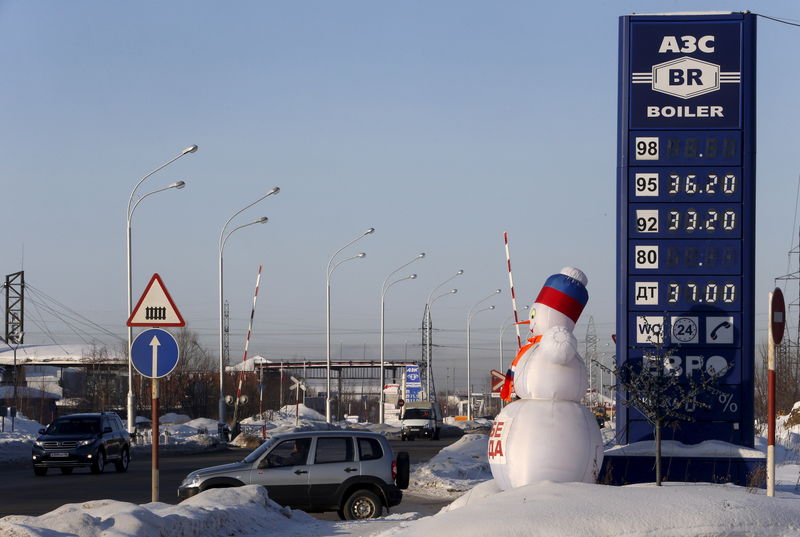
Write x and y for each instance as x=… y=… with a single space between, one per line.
x=565 y=292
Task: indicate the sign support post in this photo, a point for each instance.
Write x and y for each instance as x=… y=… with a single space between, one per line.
x=155 y=308
x=777 y=322
x=154 y=448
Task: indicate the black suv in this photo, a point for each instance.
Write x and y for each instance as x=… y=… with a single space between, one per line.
x=353 y=473
x=82 y=440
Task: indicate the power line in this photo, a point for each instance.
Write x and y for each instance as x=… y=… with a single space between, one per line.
x=782 y=21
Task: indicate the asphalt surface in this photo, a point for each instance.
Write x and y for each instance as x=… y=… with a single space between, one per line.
x=22 y=493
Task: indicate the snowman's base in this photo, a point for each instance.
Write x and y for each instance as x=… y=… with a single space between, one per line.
x=627 y=469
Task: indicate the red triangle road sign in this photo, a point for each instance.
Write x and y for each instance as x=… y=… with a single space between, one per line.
x=155 y=307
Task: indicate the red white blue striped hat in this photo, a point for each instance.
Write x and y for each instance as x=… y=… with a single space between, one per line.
x=565 y=292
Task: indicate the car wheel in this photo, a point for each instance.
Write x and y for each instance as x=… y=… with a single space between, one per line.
x=99 y=463
x=39 y=471
x=122 y=464
x=403 y=470
x=362 y=504
x=66 y=470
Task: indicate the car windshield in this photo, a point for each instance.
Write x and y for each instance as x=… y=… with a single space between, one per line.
x=256 y=453
x=74 y=426
x=417 y=414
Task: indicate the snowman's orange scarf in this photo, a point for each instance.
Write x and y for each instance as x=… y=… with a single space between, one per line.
x=508 y=383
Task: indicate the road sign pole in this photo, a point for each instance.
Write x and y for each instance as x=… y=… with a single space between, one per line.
x=770 y=406
x=154 y=450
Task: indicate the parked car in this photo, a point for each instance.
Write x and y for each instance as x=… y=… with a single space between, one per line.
x=420 y=419
x=80 y=440
x=354 y=473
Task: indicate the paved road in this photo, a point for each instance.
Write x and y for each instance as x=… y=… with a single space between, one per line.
x=21 y=493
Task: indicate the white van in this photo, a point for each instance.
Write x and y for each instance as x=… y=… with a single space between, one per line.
x=421 y=419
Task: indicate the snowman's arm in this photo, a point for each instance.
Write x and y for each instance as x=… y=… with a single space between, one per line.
x=558 y=346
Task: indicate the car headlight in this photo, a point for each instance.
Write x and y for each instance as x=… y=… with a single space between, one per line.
x=38 y=444
x=191 y=480
x=85 y=442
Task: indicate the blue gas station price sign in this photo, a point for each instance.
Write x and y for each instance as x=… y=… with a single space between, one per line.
x=686 y=211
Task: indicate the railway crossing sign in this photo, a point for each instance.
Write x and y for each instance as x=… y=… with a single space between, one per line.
x=155 y=307
x=686 y=212
x=154 y=353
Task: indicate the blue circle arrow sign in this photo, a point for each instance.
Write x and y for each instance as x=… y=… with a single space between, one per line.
x=154 y=353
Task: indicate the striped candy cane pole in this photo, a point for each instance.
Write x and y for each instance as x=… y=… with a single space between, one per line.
x=252 y=314
x=513 y=296
x=247 y=342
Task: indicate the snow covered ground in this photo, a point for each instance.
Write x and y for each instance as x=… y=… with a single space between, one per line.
x=459 y=471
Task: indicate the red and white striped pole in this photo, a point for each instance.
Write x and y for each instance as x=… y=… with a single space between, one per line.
x=513 y=296
x=777 y=324
x=770 y=407
x=247 y=343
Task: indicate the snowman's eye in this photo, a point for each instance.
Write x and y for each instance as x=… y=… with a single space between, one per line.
x=533 y=314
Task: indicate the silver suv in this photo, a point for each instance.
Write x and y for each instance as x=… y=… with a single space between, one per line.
x=354 y=473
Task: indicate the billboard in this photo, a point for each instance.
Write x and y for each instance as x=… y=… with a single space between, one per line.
x=413 y=383
x=686 y=211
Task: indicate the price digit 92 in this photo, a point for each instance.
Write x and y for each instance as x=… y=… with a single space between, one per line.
x=647 y=148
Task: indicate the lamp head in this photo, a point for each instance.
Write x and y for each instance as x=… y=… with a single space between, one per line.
x=412 y=277
x=460 y=272
x=261 y=220
x=497 y=291
x=274 y=190
x=177 y=184
x=491 y=307
x=453 y=291
x=361 y=255
x=190 y=149
x=370 y=230
x=421 y=255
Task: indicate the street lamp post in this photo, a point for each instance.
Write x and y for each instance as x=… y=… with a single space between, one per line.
x=472 y=313
x=328 y=271
x=428 y=342
x=384 y=287
x=361 y=255
x=223 y=237
x=128 y=217
x=428 y=303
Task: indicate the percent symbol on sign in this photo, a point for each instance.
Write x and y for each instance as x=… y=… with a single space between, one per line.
x=727 y=401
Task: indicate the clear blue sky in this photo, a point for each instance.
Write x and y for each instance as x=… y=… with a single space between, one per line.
x=441 y=124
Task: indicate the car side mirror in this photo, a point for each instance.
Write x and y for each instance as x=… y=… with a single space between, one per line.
x=106 y=430
x=263 y=464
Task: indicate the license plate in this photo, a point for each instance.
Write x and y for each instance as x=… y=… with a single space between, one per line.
x=59 y=454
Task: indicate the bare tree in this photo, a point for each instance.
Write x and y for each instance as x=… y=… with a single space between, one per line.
x=654 y=388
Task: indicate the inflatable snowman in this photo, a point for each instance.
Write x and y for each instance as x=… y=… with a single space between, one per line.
x=547 y=434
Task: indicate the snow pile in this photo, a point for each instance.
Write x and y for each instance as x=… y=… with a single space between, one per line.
x=214 y=512
x=454 y=469
x=787 y=430
x=550 y=509
x=15 y=448
x=172 y=418
x=671 y=448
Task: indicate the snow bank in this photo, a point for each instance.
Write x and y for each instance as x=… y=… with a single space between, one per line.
x=15 y=448
x=215 y=512
x=455 y=469
x=579 y=509
x=672 y=448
